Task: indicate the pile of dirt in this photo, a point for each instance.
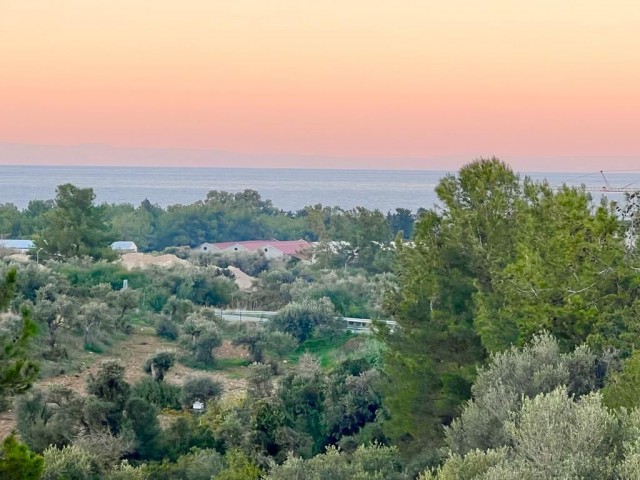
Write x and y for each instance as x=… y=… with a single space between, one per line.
x=244 y=281
x=143 y=260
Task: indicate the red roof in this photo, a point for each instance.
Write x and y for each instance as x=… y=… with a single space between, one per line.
x=288 y=247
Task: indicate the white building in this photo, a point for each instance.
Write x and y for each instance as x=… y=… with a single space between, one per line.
x=17 y=246
x=124 y=247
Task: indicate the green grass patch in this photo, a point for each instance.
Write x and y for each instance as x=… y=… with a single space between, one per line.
x=219 y=364
x=230 y=363
x=94 y=347
x=327 y=348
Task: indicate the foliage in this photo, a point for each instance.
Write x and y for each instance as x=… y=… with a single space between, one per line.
x=51 y=417
x=159 y=364
x=239 y=467
x=166 y=328
x=17 y=462
x=199 y=388
x=17 y=371
x=142 y=419
x=111 y=391
x=623 y=388
x=264 y=345
x=75 y=226
x=201 y=336
x=302 y=319
x=373 y=462
x=508 y=380
x=501 y=259
x=198 y=464
x=160 y=394
x=70 y=463
x=552 y=436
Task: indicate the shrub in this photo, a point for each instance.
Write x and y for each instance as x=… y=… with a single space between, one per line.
x=166 y=328
x=70 y=463
x=200 y=388
x=160 y=394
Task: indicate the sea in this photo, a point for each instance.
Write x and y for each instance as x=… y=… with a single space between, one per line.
x=288 y=189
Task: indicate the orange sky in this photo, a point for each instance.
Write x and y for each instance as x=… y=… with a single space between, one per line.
x=408 y=79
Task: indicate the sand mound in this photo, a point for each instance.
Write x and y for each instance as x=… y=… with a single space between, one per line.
x=244 y=281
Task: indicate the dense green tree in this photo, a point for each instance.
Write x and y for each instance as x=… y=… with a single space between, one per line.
x=112 y=392
x=17 y=462
x=76 y=227
x=402 y=220
x=623 y=388
x=141 y=417
x=303 y=319
x=10 y=221
x=160 y=394
x=17 y=370
x=500 y=260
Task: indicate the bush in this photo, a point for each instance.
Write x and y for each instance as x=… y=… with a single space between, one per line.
x=69 y=463
x=200 y=388
x=160 y=394
x=165 y=328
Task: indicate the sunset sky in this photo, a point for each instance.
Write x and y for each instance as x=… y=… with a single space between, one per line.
x=352 y=83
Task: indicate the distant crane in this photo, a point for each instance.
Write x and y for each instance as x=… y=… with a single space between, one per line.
x=608 y=188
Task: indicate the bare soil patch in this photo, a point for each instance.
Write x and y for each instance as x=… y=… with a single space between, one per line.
x=133 y=352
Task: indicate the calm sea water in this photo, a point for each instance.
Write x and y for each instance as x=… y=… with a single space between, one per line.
x=289 y=189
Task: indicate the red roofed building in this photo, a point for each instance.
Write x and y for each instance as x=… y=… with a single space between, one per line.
x=269 y=248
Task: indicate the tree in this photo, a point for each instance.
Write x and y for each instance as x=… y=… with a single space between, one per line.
x=93 y=315
x=17 y=371
x=301 y=319
x=239 y=467
x=159 y=364
x=53 y=310
x=76 y=227
x=50 y=417
x=143 y=420
x=123 y=301
x=111 y=392
x=500 y=260
x=623 y=388
x=17 y=462
x=200 y=388
x=511 y=377
x=201 y=337
x=552 y=435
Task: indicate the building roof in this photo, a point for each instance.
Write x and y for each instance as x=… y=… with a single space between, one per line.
x=288 y=247
x=17 y=244
x=248 y=244
x=124 y=246
x=291 y=247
